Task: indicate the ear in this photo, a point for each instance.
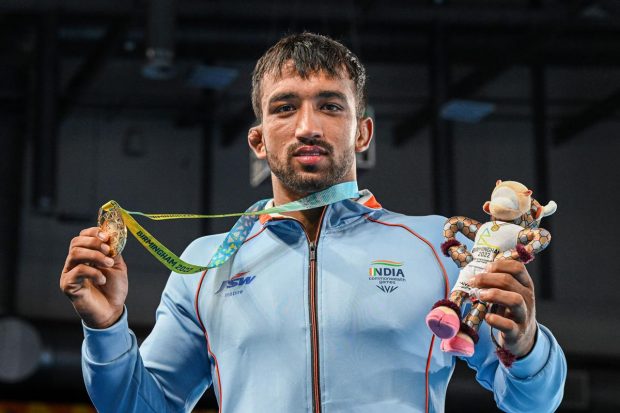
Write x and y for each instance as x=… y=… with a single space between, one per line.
x=365 y=129
x=256 y=142
x=550 y=208
x=529 y=192
x=487 y=207
x=499 y=181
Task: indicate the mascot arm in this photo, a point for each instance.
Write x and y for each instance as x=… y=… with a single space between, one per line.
x=530 y=242
x=464 y=225
x=453 y=248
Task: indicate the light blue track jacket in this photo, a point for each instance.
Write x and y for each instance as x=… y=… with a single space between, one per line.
x=297 y=325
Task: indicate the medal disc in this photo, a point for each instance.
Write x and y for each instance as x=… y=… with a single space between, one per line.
x=111 y=222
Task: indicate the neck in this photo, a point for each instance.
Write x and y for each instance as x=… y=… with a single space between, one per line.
x=309 y=218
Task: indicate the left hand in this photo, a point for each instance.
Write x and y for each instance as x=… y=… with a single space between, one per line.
x=508 y=284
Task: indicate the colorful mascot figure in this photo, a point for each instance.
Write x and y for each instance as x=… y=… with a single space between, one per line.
x=512 y=234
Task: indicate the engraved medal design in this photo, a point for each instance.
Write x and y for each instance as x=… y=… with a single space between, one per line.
x=111 y=222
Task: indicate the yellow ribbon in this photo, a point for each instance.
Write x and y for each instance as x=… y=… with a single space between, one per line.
x=148 y=241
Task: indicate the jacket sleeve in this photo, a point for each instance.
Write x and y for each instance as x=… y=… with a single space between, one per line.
x=534 y=383
x=169 y=372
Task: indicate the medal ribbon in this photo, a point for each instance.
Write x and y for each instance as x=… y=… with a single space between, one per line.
x=236 y=236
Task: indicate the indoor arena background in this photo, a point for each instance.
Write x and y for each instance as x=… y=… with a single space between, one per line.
x=147 y=103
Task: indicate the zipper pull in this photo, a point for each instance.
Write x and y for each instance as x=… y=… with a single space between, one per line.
x=312 y=251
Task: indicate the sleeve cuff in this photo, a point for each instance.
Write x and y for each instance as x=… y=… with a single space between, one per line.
x=534 y=362
x=107 y=344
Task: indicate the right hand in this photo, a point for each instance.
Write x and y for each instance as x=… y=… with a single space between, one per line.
x=95 y=283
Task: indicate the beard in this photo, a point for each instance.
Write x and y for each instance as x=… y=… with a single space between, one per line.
x=311 y=179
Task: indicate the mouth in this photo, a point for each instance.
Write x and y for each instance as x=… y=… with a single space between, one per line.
x=309 y=154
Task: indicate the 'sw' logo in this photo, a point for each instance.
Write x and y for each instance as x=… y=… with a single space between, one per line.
x=386 y=288
x=236 y=280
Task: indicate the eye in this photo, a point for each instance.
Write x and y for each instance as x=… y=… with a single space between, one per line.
x=332 y=107
x=284 y=108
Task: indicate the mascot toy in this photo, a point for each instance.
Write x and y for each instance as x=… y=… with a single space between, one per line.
x=513 y=233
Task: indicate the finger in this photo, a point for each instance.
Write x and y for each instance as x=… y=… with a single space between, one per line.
x=81 y=255
x=95 y=232
x=501 y=280
x=73 y=281
x=508 y=299
x=503 y=324
x=515 y=268
x=90 y=243
x=498 y=309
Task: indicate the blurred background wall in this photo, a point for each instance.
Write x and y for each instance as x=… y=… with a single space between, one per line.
x=147 y=103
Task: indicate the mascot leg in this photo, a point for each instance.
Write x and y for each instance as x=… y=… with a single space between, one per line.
x=463 y=343
x=444 y=320
x=459 y=345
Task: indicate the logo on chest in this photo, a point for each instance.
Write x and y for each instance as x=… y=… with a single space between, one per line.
x=234 y=286
x=387 y=275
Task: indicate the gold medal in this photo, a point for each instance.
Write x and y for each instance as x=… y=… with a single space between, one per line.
x=111 y=222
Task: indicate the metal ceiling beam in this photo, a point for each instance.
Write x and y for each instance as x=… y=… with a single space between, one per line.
x=416 y=54
x=524 y=49
x=588 y=117
x=541 y=143
x=463 y=88
x=391 y=13
x=12 y=121
x=92 y=65
x=46 y=119
x=441 y=129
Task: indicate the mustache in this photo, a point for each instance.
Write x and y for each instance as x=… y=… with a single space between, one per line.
x=310 y=142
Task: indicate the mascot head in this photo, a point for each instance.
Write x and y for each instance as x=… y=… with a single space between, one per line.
x=511 y=201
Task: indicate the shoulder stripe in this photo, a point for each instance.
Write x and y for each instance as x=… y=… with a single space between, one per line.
x=206 y=335
x=204 y=329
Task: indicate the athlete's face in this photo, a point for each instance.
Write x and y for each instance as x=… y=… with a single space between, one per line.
x=309 y=132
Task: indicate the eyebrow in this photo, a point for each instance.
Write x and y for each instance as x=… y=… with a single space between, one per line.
x=328 y=94
x=283 y=96
x=324 y=94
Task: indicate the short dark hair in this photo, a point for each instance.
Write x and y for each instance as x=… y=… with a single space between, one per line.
x=310 y=54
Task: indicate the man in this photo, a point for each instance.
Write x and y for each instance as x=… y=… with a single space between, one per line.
x=320 y=310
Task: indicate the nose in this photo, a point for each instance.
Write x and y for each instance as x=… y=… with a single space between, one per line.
x=308 y=123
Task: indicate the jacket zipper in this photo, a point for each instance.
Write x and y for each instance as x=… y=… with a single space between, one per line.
x=314 y=331
x=314 y=327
